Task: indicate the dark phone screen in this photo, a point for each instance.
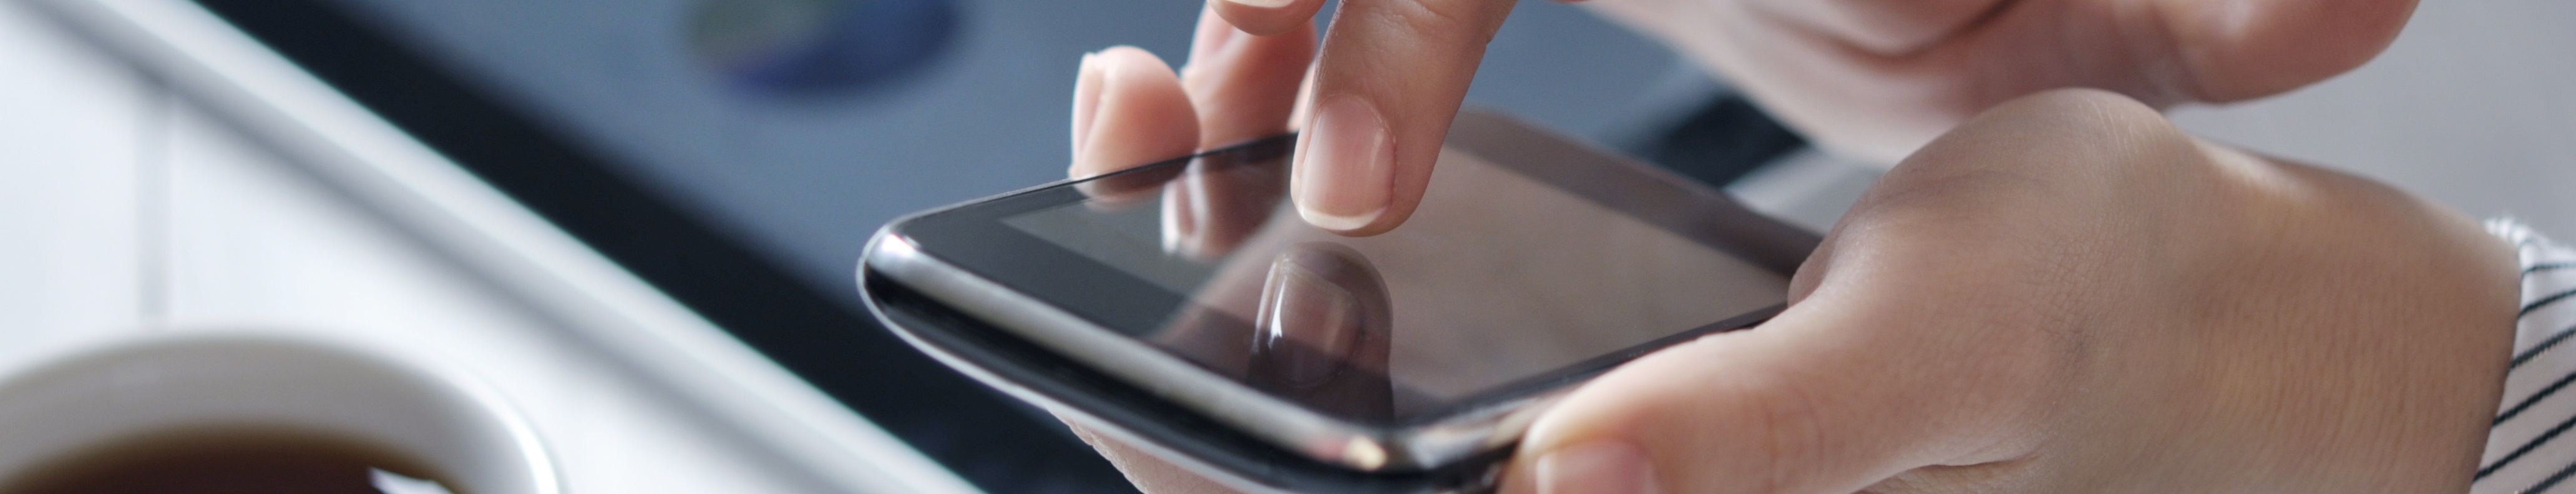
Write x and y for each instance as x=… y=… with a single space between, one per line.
x=1497 y=278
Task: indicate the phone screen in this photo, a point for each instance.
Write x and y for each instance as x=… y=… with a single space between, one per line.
x=1497 y=278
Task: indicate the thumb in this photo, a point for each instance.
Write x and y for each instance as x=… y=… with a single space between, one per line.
x=1797 y=405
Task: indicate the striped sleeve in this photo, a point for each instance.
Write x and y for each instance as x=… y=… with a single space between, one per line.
x=2526 y=450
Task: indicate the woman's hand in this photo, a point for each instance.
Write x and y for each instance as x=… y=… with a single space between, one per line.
x=2064 y=294
x=1877 y=79
x=2067 y=294
x=1868 y=78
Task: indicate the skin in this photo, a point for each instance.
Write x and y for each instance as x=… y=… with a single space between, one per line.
x=2067 y=294
x=2055 y=291
x=1873 y=79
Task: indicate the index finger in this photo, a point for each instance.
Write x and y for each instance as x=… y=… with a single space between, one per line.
x=1391 y=76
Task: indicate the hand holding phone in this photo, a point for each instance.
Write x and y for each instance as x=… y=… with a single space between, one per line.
x=2070 y=294
x=2067 y=292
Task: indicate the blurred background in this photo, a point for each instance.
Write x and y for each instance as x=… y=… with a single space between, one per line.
x=806 y=123
x=705 y=172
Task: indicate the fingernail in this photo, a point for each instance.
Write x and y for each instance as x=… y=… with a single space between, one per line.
x=1599 y=467
x=1267 y=4
x=1087 y=84
x=1346 y=170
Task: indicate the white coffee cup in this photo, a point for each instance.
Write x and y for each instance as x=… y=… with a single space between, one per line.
x=138 y=386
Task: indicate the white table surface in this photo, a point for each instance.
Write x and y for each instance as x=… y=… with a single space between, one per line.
x=123 y=211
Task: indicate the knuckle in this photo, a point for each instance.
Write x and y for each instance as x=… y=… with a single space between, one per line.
x=2088 y=142
x=2089 y=115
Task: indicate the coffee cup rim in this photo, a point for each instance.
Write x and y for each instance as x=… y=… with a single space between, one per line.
x=477 y=393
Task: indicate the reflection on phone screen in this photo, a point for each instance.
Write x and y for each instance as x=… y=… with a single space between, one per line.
x=1495 y=279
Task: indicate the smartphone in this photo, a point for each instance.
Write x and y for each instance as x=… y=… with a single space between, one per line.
x=1185 y=308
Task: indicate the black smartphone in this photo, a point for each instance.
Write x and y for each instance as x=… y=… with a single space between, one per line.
x=1184 y=307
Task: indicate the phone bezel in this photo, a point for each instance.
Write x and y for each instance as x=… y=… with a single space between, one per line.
x=964 y=258
x=1133 y=415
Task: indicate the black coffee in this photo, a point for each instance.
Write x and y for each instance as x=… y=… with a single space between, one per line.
x=228 y=460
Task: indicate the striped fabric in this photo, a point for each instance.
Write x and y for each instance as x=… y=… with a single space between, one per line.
x=2530 y=448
